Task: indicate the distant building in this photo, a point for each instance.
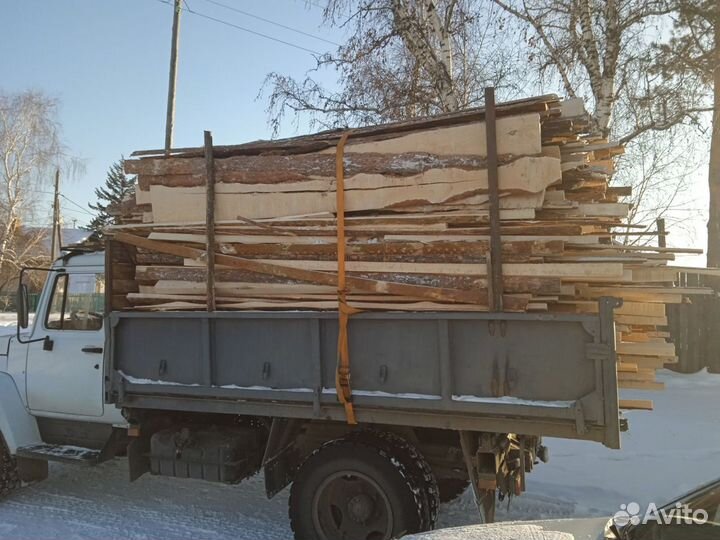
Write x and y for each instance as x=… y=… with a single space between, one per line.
x=69 y=236
x=32 y=249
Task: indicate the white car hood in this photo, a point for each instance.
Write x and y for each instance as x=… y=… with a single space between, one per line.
x=561 y=529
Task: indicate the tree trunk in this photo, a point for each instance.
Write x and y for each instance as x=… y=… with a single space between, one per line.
x=713 y=251
x=414 y=34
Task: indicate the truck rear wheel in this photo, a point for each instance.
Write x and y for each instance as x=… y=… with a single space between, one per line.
x=9 y=478
x=356 y=491
x=421 y=476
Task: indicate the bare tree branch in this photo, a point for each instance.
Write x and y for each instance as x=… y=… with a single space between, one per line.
x=29 y=150
x=404 y=58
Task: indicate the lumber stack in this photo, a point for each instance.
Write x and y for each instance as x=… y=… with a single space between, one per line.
x=417 y=226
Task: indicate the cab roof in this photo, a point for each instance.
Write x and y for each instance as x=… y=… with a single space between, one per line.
x=74 y=259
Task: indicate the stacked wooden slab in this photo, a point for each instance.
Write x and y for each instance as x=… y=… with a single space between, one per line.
x=417 y=225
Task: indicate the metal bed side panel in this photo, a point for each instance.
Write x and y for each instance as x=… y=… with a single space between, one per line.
x=504 y=365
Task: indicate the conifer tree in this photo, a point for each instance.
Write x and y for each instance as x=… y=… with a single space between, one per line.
x=117 y=186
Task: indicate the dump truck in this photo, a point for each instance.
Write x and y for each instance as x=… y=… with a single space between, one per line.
x=441 y=400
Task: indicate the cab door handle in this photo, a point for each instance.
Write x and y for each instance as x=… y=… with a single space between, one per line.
x=96 y=350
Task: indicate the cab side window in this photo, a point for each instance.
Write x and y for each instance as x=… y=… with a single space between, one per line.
x=77 y=302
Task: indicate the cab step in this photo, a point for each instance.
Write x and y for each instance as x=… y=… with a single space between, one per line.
x=59 y=452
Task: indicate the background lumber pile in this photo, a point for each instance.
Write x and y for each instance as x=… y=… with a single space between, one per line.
x=417 y=226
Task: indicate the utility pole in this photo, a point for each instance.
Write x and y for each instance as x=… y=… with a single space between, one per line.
x=173 y=77
x=56 y=230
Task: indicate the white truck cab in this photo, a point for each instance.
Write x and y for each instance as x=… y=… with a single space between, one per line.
x=51 y=371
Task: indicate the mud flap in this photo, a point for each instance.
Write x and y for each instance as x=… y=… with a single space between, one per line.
x=282 y=458
x=32 y=470
x=138 y=453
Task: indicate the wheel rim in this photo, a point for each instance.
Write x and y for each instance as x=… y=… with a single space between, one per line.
x=352 y=506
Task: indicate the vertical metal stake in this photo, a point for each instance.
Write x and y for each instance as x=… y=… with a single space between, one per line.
x=210 y=221
x=661 y=232
x=109 y=272
x=495 y=281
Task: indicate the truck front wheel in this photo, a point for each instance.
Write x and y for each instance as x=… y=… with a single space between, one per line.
x=356 y=491
x=9 y=479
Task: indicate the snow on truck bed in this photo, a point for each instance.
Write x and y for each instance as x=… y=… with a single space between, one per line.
x=666 y=452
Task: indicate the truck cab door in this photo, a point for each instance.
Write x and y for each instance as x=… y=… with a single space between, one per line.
x=65 y=373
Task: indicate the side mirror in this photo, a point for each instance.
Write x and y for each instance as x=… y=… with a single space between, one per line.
x=22 y=306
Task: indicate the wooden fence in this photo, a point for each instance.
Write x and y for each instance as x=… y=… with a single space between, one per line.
x=695 y=328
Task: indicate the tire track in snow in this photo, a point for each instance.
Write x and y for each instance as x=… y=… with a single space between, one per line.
x=92 y=503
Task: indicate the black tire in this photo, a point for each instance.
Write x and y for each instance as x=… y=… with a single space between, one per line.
x=452 y=488
x=384 y=505
x=9 y=478
x=422 y=477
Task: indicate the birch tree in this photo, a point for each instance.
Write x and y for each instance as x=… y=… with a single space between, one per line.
x=403 y=59
x=30 y=150
x=607 y=52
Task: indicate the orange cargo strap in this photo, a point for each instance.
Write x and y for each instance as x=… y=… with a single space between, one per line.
x=342 y=374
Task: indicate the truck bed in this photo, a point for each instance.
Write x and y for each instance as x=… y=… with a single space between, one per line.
x=533 y=374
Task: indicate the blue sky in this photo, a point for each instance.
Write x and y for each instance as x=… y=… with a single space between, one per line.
x=106 y=61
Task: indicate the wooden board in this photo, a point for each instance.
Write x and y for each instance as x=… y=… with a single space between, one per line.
x=601 y=270
x=517 y=135
x=646 y=349
x=634 y=385
x=524 y=175
x=637 y=404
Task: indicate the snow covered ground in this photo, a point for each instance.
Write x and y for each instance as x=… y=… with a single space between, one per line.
x=560 y=529
x=666 y=452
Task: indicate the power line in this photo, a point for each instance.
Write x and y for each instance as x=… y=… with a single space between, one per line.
x=71 y=211
x=316 y=4
x=260 y=34
x=68 y=199
x=269 y=21
x=243 y=29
